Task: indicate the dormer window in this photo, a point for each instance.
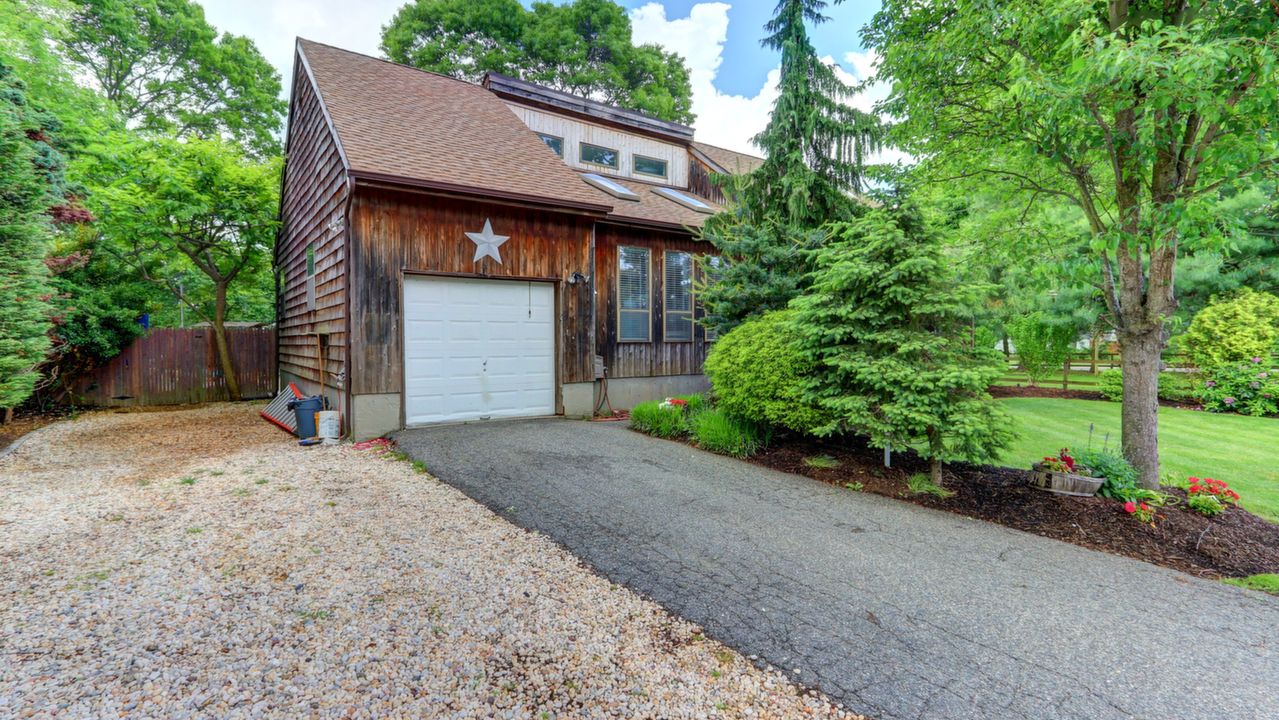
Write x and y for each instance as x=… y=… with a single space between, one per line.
x=649 y=166
x=597 y=155
x=556 y=144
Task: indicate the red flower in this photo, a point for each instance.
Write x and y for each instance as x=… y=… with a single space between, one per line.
x=1130 y=507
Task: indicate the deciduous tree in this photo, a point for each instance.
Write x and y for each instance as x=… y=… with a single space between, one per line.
x=166 y=69
x=582 y=47
x=1138 y=112
x=171 y=206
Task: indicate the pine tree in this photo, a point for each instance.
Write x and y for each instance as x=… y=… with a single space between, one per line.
x=27 y=168
x=883 y=322
x=814 y=148
x=815 y=145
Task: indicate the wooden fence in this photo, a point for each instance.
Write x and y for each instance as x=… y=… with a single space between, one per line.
x=174 y=366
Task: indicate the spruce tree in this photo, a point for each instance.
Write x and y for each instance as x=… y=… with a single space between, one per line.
x=814 y=149
x=883 y=322
x=27 y=168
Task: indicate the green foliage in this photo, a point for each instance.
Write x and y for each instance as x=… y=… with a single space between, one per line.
x=1265 y=582
x=922 y=484
x=760 y=268
x=717 y=431
x=1206 y=505
x=1233 y=330
x=759 y=373
x=696 y=402
x=1173 y=386
x=882 y=326
x=178 y=210
x=166 y=70
x=653 y=419
x=1136 y=118
x=582 y=47
x=814 y=148
x=815 y=145
x=821 y=462
x=27 y=168
x=1042 y=347
x=1121 y=478
x=1250 y=387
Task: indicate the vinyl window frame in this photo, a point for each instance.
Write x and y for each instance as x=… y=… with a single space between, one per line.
x=667 y=313
x=648 y=296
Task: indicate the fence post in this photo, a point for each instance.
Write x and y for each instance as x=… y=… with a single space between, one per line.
x=1065 y=373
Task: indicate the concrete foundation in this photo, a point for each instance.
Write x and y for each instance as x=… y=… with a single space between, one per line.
x=579 y=399
x=373 y=416
x=626 y=393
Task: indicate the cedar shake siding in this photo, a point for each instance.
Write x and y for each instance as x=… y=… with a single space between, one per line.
x=312 y=208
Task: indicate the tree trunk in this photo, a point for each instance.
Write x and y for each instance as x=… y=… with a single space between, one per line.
x=1140 y=359
x=8 y=416
x=935 y=447
x=1096 y=351
x=220 y=343
x=934 y=469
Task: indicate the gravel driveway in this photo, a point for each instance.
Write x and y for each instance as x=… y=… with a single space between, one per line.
x=899 y=611
x=197 y=563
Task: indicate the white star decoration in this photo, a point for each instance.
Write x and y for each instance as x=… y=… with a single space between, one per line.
x=486 y=243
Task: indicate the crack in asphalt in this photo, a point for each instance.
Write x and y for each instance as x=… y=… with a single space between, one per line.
x=897 y=611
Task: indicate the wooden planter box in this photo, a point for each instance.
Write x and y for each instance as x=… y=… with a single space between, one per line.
x=1064 y=483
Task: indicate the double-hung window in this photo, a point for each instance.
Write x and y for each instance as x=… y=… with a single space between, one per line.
x=634 y=310
x=677 y=311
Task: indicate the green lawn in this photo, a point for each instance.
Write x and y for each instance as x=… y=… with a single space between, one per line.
x=1243 y=451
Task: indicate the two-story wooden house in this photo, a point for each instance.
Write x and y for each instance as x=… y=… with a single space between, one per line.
x=457 y=252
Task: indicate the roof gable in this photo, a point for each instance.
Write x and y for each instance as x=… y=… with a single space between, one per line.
x=399 y=123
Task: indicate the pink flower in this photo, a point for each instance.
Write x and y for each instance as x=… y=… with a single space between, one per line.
x=1130 y=507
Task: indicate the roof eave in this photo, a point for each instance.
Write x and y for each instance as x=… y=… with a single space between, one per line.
x=368 y=177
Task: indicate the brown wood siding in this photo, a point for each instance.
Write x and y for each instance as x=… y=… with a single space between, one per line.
x=396 y=232
x=657 y=357
x=177 y=366
x=314 y=198
x=700 y=181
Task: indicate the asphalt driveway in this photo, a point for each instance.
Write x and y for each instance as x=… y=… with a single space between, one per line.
x=896 y=610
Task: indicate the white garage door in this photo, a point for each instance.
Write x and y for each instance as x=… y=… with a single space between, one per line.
x=477 y=349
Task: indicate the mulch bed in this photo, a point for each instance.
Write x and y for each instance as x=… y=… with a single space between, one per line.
x=1039 y=391
x=1234 y=544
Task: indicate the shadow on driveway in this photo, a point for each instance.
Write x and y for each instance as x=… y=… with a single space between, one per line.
x=895 y=610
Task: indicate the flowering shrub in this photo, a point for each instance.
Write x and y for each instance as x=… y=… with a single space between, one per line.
x=1210 y=497
x=1062 y=463
x=1144 y=513
x=673 y=403
x=1250 y=388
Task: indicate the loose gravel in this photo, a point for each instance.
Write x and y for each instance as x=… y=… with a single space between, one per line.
x=197 y=563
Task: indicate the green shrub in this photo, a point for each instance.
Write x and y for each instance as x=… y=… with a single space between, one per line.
x=719 y=432
x=1250 y=387
x=1265 y=582
x=758 y=373
x=1173 y=386
x=1042 y=347
x=653 y=419
x=1234 y=330
x=922 y=484
x=1121 y=478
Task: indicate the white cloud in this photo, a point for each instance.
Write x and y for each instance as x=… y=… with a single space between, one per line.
x=726 y=120
x=732 y=120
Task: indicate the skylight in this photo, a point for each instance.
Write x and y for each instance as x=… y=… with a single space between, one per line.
x=610 y=187
x=687 y=201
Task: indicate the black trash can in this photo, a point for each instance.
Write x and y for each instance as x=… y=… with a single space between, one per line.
x=305 y=410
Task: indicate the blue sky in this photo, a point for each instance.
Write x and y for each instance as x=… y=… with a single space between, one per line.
x=733 y=77
x=746 y=62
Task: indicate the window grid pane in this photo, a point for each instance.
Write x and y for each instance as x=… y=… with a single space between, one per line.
x=650 y=166
x=598 y=155
x=633 y=294
x=678 y=294
x=556 y=144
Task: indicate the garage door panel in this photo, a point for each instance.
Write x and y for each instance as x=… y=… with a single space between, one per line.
x=478 y=349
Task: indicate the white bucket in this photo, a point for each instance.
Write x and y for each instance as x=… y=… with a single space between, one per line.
x=328 y=424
